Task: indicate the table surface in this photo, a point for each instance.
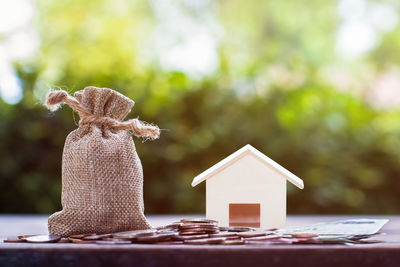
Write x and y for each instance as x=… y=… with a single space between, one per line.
x=386 y=253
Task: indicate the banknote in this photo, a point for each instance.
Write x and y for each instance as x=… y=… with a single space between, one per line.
x=352 y=227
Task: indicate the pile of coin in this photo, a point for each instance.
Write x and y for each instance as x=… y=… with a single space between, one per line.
x=192 y=232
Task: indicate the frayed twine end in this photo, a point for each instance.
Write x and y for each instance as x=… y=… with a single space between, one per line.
x=54 y=99
x=143 y=129
x=154 y=132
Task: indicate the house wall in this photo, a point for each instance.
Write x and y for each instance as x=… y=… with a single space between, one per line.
x=247 y=180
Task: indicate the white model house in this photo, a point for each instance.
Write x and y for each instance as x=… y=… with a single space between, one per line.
x=247 y=189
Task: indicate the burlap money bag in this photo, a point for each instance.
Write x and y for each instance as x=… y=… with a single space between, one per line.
x=102 y=177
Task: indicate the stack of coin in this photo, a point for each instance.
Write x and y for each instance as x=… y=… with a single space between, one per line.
x=197 y=227
x=206 y=232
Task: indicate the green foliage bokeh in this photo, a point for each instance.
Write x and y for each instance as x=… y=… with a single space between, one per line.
x=267 y=91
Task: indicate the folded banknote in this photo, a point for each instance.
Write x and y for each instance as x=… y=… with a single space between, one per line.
x=353 y=227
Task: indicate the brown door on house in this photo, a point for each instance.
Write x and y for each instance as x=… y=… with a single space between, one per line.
x=241 y=214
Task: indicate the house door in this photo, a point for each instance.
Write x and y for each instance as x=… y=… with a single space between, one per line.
x=244 y=214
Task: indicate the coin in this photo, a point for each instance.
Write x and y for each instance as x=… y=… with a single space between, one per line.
x=199 y=228
x=231 y=237
x=96 y=237
x=81 y=241
x=155 y=238
x=192 y=233
x=236 y=229
x=208 y=229
x=251 y=234
x=224 y=234
x=241 y=229
x=174 y=225
x=205 y=241
x=234 y=242
x=24 y=236
x=198 y=225
x=130 y=235
x=199 y=220
x=263 y=238
x=125 y=235
x=43 y=238
x=304 y=235
x=147 y=232
x=268 y=232
x=115 y=239
x=189 y=237
x=114 y=242
x=80 y=236
x=282 y=241
x=197 y=231
x=120 y=239
x=166 y=230
x=14 y=239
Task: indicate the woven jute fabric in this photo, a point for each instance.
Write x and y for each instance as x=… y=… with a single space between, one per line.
x=102 y=176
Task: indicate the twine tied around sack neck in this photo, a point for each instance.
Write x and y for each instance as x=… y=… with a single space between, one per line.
x=138 y=128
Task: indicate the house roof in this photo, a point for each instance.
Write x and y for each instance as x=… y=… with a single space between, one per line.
x=247 y=149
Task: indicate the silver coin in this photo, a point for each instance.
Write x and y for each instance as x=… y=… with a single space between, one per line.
x=134 y=234
x=43 y=238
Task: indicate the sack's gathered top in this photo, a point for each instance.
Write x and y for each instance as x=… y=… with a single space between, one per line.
x=97 y=111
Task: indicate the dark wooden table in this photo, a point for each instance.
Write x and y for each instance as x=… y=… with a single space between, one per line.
x=382 y=254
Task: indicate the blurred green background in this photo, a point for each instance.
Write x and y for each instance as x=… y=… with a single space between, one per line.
x=315 y=85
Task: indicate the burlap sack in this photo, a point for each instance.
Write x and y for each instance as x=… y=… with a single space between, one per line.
x=102 y=177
